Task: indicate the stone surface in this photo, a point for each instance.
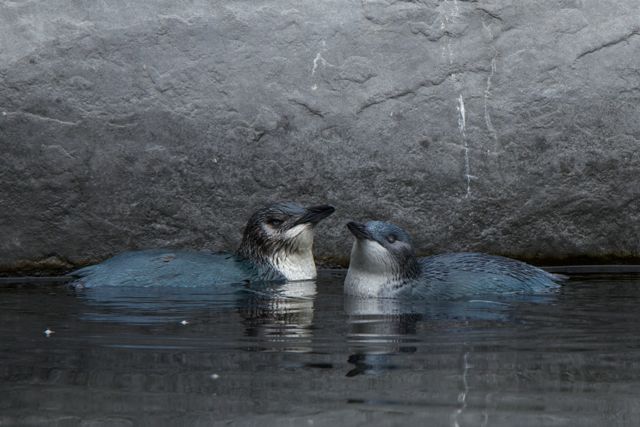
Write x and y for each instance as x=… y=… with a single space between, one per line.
x=501 y=126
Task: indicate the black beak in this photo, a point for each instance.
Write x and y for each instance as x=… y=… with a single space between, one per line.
x=315 y=214
x=359 y=230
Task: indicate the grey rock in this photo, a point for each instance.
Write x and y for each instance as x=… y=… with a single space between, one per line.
x=498 y=126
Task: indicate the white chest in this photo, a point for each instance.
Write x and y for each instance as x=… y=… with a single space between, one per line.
x=296 y=265
x=365 y=284
x=370 y=270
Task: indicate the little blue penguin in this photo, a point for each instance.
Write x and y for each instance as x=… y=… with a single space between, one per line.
x=277 y=245
x=383 y=264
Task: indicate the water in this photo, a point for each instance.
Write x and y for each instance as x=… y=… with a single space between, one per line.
x=304 y=355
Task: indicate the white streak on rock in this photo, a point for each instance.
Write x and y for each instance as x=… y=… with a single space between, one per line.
x=317 y=60
x=449 y=15
x=487 y=29
x=462 y=126
x=487 y=97
x=462 y=120
x=41 y=117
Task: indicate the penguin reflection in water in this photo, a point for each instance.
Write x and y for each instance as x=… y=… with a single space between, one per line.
x=383 y=264
x=380 y=329
x=277 y=245
x=279 y=317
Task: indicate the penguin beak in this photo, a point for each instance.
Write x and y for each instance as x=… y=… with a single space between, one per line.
x=359 y=230
x=315 y=214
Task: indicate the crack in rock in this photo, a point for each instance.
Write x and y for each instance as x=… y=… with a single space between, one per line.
x=312 y=110
x=617 y=41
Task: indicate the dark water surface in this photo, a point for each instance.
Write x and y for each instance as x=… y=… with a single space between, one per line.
x=304 y=355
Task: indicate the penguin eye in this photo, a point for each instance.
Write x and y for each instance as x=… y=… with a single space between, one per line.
x=391 y=238
x=275 y=222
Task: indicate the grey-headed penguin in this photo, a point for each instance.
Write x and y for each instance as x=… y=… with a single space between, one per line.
x=384 y=264
x=277 y=245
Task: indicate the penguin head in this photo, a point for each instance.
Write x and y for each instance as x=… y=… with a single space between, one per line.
x=383 y=252
x=282 y=234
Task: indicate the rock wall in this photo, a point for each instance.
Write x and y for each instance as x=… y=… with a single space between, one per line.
x=501 y=126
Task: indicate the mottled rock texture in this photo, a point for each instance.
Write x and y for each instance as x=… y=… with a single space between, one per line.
x=503 y=126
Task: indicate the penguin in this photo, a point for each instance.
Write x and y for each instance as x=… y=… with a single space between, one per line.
x=384 y=264
x=276 y=245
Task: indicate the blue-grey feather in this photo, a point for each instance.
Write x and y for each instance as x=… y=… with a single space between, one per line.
x=162 y=267
x=456 y=275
